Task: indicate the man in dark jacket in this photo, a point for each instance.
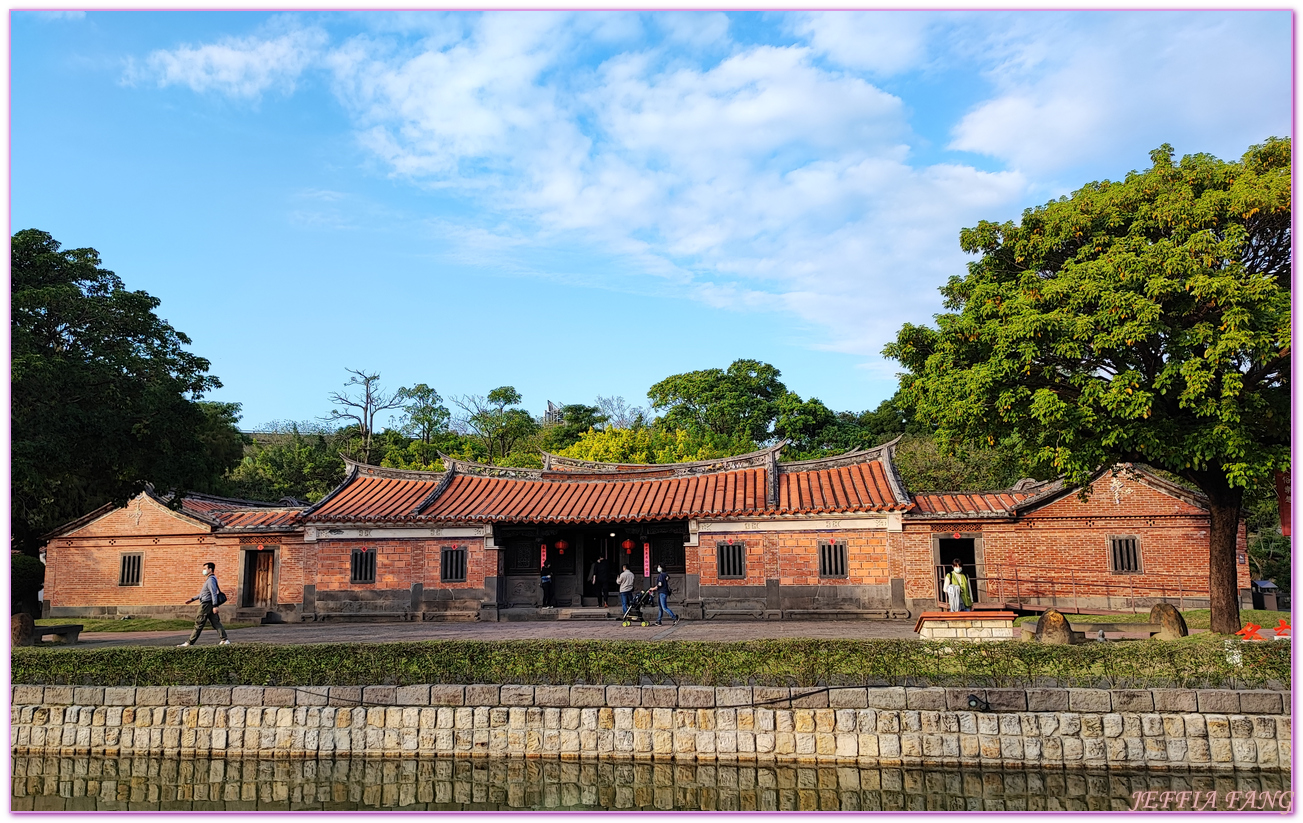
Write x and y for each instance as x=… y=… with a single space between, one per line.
x=598 y=576
x=662 y=589
x=207 y=598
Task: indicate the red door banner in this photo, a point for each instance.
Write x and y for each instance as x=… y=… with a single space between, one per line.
x=646 y=560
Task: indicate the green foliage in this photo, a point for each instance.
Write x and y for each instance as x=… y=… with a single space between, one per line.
x=26 y=577
x=797 y=662
x=292 y=464
x=496 y=423
x=576 y=420
x=426 y=417
x=654 y=445
x=104 y=393
x=1144 y=321
x=925 y=466
x=740 y=402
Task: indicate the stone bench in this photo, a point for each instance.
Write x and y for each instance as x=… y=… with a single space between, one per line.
x=65 y=634
x=983 y=626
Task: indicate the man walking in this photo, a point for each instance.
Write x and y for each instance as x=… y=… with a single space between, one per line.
x=625 y=582
x=597 y=575
x=207 y=598
x=662 y=589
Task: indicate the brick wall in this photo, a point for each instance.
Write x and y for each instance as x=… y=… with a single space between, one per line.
x=400 y=563
x=792 y=558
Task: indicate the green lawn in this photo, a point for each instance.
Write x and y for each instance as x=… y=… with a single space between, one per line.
x=1194 y=618
x=135 y=624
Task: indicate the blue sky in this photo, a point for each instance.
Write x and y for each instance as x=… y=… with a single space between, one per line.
x=584 y=203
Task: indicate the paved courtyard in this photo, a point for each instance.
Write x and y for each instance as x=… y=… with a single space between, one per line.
x=305 y=633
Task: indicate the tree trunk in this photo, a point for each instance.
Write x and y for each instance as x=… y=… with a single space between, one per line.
x=1223 y=528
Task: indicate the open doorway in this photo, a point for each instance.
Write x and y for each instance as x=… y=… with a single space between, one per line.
x=965 y=549
x=258 y=570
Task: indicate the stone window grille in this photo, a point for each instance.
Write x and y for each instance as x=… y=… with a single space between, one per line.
x=731 y=560
x=832 y=559
x=452 y=564
x=1124 y=554
x=130 y=572
x=363 y=566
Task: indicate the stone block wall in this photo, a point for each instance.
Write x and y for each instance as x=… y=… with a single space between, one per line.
x=1156 y=729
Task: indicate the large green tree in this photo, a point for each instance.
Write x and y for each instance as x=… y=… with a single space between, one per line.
x=104 y=393
x=1146 y=320
x=740 y=401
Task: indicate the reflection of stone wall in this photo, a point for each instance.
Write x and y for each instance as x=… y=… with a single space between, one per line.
x=868 y=726
x=446 y=784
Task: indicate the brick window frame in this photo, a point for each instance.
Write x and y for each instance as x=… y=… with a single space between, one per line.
x=834 y=559
x=730 y=561
x=1124 y=554
x=362 y=566
x=130 y=568
x=452 y=564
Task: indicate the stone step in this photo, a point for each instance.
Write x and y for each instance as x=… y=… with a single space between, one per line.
x=584 y=614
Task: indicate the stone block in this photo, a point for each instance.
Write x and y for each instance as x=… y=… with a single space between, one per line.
x=345 y=696
x=1261 y=702
x=379 y=695
x=1007 y=700
x=30 y=696
x=246 y=696
x=848 y=699
x=417 y=695
x=803 y=698
x=624 y=696
x=181 y=696
x=931 y=699
x=588 y=696
x=889 y=697
x=665 y=697
x=1132 y=700
x=552 y=696
x=697 y=697
x=60 y=695
x=213 y=696
x=120 y=696
x=772 y=697
x=516 y=695
x=1218 y=701
x=1089 y=700
x=311 y=695
x=957 y=699
x=88 y=695
x=1175 y=700
x=733 y=696
x=1047 y=700
x=481 y=694
x=278 y=696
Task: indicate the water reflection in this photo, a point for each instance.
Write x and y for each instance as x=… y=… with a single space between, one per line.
x=144 y=783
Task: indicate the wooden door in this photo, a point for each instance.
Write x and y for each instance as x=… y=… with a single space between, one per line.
x=262 y=574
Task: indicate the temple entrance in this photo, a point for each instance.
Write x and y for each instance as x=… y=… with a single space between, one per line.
x=259 y=567
x=963 y=548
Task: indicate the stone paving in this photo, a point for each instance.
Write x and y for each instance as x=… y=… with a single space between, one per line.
x=302 y=633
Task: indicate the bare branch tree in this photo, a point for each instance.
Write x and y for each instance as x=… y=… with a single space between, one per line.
x=492 y=420
x=619 y=414
x=362 y=408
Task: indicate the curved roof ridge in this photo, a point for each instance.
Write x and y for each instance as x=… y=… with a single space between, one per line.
x=370 y=470
x=470 y=467
x=235 y=502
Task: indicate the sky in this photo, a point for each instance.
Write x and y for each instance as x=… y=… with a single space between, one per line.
x=583 y=203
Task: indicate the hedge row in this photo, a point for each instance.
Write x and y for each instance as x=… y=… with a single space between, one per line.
x=1185 y=663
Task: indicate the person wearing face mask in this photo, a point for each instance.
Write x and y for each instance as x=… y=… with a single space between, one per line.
x=957 y=591
x=662 y=589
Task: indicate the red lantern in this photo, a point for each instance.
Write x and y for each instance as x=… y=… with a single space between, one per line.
x=627 y=545
x=957 y=537
x=561 y=546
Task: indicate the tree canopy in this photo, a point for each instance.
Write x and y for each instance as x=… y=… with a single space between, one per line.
x=105 y=394
x=1146 y=320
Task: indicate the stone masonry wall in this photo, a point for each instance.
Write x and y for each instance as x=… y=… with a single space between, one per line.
x=1157 y=729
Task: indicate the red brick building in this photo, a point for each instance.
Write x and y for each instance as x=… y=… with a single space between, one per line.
x=745 y=536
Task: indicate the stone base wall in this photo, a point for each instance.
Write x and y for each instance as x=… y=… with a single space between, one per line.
x=1163 y=728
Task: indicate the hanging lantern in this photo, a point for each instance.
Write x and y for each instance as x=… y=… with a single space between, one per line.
x=561 y=546
x=627 y=545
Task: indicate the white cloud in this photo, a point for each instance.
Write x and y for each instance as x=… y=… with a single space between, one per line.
x=51 y=15
x=1110 y=80
x=882 y=42
x=239 y=67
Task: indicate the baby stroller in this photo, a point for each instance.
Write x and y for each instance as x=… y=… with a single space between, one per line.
x=634 y=615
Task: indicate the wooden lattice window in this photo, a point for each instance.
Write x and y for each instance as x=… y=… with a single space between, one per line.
x=452 y=564
x=832 y=559
x=362 y=568
x=129 y=572
x=731 y=560
x=1124 y=554
x=667 y=551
